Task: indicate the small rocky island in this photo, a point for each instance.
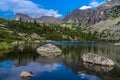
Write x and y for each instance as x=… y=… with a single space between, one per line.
x=97 y=59
x=49 y=50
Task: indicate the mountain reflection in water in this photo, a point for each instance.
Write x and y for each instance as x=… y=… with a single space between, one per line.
x=68 y=66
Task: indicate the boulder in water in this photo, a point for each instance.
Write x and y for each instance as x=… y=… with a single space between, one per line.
x=97 y=59
x=26 y=74
x=49 y=50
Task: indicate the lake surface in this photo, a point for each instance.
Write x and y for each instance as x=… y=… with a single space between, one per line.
x=68 y=66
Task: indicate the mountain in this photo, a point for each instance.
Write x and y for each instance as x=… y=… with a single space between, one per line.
x=108 y=10
x=43 y=19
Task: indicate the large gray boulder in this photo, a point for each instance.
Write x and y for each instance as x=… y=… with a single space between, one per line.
x=49 y=50
x=97 y=59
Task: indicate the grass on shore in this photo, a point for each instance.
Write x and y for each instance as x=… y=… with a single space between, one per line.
x=5 y=47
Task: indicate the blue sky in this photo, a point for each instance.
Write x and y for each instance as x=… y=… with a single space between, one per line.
x=38 y=8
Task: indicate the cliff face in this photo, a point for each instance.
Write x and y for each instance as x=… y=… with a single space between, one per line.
x=43 y=19
x=88 y=17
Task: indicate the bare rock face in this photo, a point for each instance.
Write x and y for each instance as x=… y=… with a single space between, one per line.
x=86 y=17
x=49 y=50
x=26 y=74
x=97 y=59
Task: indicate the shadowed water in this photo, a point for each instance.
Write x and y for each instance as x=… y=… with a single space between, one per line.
x=68 y=66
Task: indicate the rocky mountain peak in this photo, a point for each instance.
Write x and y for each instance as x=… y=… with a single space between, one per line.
x=23 y=17
x=67 y=16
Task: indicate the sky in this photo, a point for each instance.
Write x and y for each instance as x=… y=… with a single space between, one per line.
x=38 y=8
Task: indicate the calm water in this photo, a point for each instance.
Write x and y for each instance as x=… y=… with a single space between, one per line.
x=68 y=66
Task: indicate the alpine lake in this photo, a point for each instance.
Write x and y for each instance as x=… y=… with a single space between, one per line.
x=68 y=66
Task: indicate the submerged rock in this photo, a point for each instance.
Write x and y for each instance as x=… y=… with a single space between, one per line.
x=26 y=74
x=49 y=50
x=97 y=59
x=98 y=68
x=117 y=44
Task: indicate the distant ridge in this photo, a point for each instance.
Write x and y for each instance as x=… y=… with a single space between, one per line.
x=43 y=19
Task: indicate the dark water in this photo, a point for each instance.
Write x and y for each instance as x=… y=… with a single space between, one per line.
x=68 y=66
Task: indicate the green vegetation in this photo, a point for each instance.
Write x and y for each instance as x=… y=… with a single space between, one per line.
x=10 y=29
x=5 y=47
x=114 y=12
x=8 y=36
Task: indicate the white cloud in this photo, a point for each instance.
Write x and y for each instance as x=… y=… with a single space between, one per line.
x=85 y=7
x=93 y=4
x=27 y=7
